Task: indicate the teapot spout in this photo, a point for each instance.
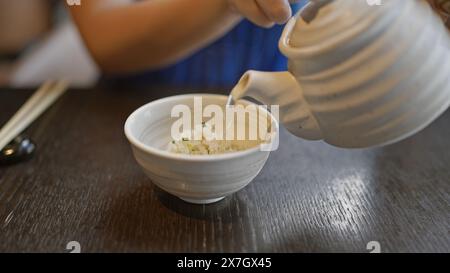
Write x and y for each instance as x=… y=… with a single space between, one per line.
x=280 y=89
x=265 y=87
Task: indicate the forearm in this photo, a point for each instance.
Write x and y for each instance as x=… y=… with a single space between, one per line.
x=129 y=36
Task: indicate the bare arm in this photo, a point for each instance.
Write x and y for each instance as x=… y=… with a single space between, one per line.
x=126 y=35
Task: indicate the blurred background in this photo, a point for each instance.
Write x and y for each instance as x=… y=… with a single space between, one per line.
x=38 y=41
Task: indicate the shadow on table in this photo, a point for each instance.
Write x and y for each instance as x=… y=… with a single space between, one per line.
x=201 y=212
x=149 y=219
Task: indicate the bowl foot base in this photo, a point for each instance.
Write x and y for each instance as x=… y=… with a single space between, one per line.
x=202 y=201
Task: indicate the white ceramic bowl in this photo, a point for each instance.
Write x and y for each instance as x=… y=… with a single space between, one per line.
x=199 y=179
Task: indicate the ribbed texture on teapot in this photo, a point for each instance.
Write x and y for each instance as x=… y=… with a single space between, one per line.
x=339 y=21
x=371 y=75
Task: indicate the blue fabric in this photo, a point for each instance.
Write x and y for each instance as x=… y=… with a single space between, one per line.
x=222 y=63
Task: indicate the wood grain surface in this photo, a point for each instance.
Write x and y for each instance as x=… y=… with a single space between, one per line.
x=84 y=185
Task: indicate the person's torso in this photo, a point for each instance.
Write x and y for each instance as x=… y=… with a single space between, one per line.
x=223 y=62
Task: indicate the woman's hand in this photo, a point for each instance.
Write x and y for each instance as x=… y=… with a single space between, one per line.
x=264 y=13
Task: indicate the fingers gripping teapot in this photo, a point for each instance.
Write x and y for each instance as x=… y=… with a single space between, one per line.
x=360 y=75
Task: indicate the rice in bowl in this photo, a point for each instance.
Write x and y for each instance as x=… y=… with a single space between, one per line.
x=209 y=145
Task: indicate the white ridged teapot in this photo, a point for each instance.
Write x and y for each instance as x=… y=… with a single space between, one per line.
x=360 y=74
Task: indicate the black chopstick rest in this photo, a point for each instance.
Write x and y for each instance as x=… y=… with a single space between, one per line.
x=20 y=149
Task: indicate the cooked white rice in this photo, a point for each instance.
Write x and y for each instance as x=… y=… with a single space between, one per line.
x=208 y=147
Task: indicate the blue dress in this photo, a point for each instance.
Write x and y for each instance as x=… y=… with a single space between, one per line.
x=222 y=63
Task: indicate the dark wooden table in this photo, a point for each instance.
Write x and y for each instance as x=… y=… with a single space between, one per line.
x=84 y=185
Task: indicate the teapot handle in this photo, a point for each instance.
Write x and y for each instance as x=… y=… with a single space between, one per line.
x=280 y=89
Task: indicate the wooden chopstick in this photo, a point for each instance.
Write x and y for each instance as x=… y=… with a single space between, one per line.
x=27 y=106
x=40 y=101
